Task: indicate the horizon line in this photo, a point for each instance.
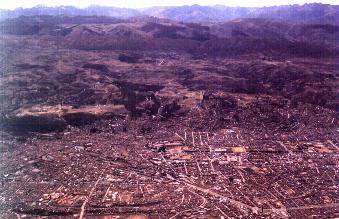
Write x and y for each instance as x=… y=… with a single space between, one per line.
x=138 y=8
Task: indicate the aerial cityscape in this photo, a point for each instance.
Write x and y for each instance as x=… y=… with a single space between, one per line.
x=169 y=112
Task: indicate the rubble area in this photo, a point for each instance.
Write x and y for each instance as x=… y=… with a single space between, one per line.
x=114 y=167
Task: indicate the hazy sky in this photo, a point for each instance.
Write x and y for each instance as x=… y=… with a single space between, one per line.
x=11 y=4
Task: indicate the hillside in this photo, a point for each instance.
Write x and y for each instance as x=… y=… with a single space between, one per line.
x=236 y=37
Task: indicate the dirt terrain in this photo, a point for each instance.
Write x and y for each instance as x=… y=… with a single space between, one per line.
x=97 y=125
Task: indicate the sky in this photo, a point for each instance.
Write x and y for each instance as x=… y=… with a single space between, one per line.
x=12 y=4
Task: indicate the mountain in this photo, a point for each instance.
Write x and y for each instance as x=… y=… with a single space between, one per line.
x=263 y=28
x=236 y=37
x=307 y=13
x=92 y=10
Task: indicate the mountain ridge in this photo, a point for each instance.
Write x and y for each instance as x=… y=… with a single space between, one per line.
x=307 y=13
